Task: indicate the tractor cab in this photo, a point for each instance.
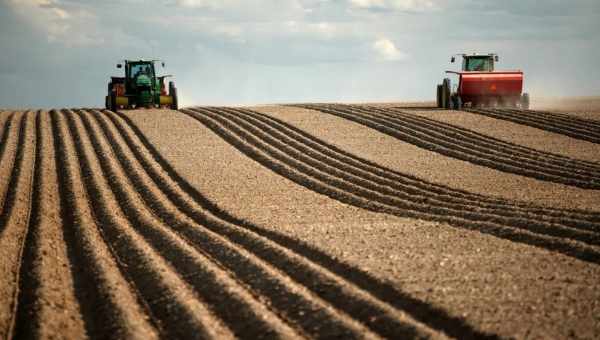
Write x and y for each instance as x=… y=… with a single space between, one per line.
x=140 y=73
x=478 y=62
x=140 y=87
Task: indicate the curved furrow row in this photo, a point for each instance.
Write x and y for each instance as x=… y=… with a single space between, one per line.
x=47 y=306
x=490 y=144
x=6 y=124
x=12 y=142
x=14 y=218
x=478 y=149
x=403 y=186
x=262 y=280
x=169 y=269
x=140 y=246
x=567 y=118
x=441 y=140
x=339 y=188
x=177 y=226
x=448 y=146
x=311 y=314
x=110 y=305
x=414 y=185
x=328 y=309
x=309 y=161
x=348 y=289
x=8 y=144
x=578 y=130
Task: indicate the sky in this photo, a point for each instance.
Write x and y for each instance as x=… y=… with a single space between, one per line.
x=61 y=53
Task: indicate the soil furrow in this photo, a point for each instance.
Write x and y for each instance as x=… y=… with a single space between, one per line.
x=475 y=152
x=567 y=117
x=449 y=148
x=242 y=267
x=315 y=320
x=540 y=118
x=412 y=184
x=391 y=187
x=110 y=306
x=571 y=122
x=9 y=169
x=326 y=186
x=288 y=299
x=209 y=285
x=47 y=306
x=7 y=155
x=277 y=248
x=490 y=144
x=4 y=136
x=14 y=220
x=363 y=188
x=540 y=122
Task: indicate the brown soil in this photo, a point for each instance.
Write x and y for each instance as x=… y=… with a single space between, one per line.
x=293 y=223
x=583 y=107
x=546 y=141
x=430 y=166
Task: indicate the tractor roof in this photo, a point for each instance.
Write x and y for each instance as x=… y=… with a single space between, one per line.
x=141 y=61
x=477 y=55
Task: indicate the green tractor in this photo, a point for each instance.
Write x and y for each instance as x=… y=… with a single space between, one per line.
x=140 y=88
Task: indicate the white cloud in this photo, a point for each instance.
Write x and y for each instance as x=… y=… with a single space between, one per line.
x=69 y=26
x=387 y=50
x=213 y=4
x=403 y=5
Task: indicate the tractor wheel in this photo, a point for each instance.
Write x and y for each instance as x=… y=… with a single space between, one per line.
x=107 y=101
x=439 y=96
x=525 y=101
x=173 y=93
x=446 y=93
x=113 y=102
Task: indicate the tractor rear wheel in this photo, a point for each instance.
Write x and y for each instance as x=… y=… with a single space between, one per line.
x=173 y=93
x=439 y=96
x=113 y=102
x=446 y=93
x=107 y=102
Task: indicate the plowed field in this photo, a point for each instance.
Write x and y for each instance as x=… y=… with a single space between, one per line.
x=303 y=221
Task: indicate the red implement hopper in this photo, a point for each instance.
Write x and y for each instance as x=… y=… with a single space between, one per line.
x=479 y=85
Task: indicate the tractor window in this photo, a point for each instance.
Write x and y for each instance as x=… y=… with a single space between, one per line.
x=478 y=64
x=136 y=70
